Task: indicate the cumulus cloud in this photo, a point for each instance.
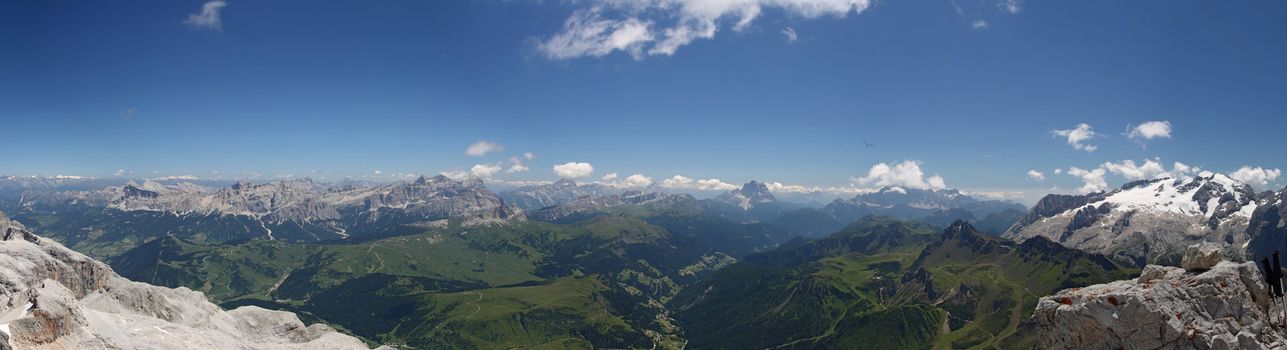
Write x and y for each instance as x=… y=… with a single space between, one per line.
x=209 y=16
x=906 y=174
x=516 y=164
x=779 y=187
x=790 y=34
x=377 y=172
x=1092 y=180
x=1256 y=177
x=1182 y=169
x=1148 y=131
x=573 y=170
x=120 y=172
x=1151 y=169
x=481 y=148
x=632 y=181
x=660 y=27
x=686 y=183
x=1036 y=175
x=979 y=24
x=485 y=170
x=456 y=174
x=1078 y=137
x=637 y=180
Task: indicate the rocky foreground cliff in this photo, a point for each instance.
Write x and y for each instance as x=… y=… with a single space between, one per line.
x=54 y=298
x=1207 y=304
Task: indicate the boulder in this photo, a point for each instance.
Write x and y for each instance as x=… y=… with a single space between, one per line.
x=1201 y=257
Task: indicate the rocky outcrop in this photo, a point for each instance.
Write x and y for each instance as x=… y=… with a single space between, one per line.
x=54 y=298
x=1225 y=306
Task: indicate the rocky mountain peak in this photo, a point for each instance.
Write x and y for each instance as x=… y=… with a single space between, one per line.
x=751 y=194
x=756 y=189
x=241 y=185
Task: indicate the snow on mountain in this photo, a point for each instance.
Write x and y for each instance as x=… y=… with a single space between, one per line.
x=1147 y=220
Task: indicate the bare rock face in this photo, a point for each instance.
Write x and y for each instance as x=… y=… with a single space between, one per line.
x=1225 y=307
x=54 y=298
x=1201 y=257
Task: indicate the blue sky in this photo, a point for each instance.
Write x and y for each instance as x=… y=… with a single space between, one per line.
x=971 y=91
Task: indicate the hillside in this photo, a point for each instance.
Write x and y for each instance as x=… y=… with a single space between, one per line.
x=884 y=284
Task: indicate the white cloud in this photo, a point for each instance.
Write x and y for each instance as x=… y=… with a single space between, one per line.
x=1182 y=169
x=1011 y=6
x=120 y=172
x=481 y=148
x=979 y=24
x=906 y=174
x=779 y=187
x=209 y=16
x=626 y=26
x=573 y=170
x=637 y=180
x=377 y=172
x=1037 y=175
x=1058 y=171
x=1256 y=177
x=790 y=34
x=1092 y=180
x=1149 y=130
x=1151 y=169
x=632 y=181
x=516 y=168
x=485 y=170
x=587 y=33
x=516 y=164
x=686 y=183
x=456 y=174
x=1078 y=136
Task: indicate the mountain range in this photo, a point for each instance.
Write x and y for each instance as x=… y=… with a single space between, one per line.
x=1152 y=221
x=110 y=220
x=443 y=263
